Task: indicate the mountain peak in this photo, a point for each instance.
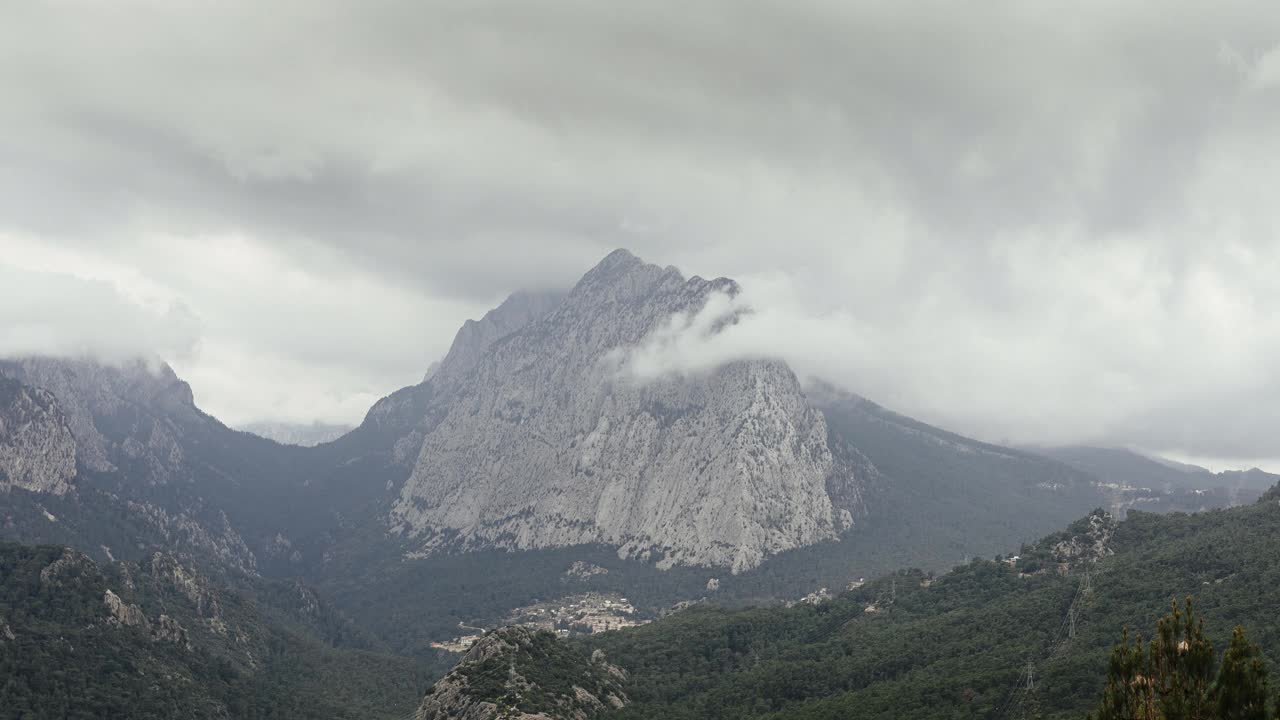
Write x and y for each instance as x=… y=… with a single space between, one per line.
x=620 y=258
x=475 y=336
x=573 y=453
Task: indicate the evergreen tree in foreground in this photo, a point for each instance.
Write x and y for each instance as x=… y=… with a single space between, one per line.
x=1173 y=677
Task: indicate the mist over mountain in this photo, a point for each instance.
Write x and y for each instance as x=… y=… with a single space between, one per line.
x=306 y=435
x=543 y=445
x=1143 y=481
x=569 y=445
x=559 y=360
x=548 y=424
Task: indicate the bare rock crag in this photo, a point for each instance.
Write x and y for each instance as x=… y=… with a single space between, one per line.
x=546 y=440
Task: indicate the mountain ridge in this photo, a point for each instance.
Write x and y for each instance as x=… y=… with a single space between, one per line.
x=536 y=441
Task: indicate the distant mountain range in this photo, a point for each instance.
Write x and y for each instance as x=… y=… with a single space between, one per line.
x=304 y=435
x=1138 y=479
x=529 y=448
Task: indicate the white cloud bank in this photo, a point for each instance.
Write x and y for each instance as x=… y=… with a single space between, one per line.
x=1007 y=224
x=1172 y=368
x=63 y=314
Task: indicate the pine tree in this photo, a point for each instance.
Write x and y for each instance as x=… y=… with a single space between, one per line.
x=1241 y=690
x=1183 y=673
x=1172 y=677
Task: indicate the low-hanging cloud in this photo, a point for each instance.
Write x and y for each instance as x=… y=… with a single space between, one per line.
x=60 y=314
x=1175 y=375
x=1008 y=224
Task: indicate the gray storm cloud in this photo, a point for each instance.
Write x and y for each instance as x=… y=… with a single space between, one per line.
x=61 y=314
x=1018 y=222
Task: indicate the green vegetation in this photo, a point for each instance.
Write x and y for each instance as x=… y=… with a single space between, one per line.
x=64 y=655
x=1002 y=638
x=931 y=506
x=1173 y=676
x=547 y=675
x=992 y=639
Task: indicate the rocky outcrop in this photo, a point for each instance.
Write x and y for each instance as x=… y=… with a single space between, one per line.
x=1087 y=540
x=164 y=629
x=215 y=538
x=190 y=584
x=582 y=570
x=548 y=441
x=37 y=449
x=519 y=673
x=68 y=568
x=122 y=613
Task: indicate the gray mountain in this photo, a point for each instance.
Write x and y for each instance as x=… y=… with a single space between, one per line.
x=1152 y=483
x=937 y=496
x=300 y=434
x=544 y=440
x=129 y=459
x=122 y=416
x=532 y=433
x=475 y=336
x=1121 y=466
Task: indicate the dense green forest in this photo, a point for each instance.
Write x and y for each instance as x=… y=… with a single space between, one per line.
x=524 y=672
x=179 y=645
x=1179 y=675
x=993 y=638
x=1024 y=636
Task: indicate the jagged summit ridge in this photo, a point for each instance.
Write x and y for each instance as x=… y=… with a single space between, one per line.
x=475 y=336
x=544 y=444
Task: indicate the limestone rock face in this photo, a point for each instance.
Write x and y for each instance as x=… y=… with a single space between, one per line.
x=404 y=417
x=123 y=613
x=475 y=336
x=131 y=436
x=129 y=414
x=544 y=441
x=1088 y=540
x=37 y=449
x=164 y=629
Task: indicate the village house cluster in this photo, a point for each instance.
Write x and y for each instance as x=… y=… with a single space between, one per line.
x=581 y=614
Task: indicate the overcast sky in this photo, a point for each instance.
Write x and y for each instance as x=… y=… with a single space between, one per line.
x=1027 y=221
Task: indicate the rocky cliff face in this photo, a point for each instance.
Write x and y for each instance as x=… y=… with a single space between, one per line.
x=543 y=441
x=126 y=415
x=475 y=336
x=37 y=449
x=129 y=440
x=524 y=674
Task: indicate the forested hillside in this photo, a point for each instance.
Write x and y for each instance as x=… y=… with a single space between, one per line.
x=159 y=640
x=970 y=643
